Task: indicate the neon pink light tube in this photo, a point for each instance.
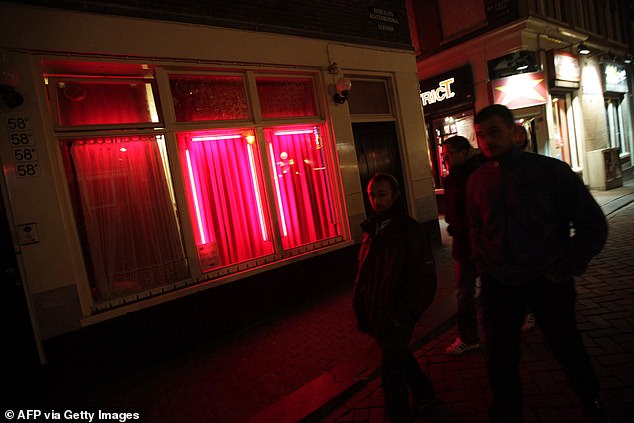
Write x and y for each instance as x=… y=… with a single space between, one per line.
x=277 y=189
x=297 y=132
x=190 y=170
x=216 y=138
x=258 y=201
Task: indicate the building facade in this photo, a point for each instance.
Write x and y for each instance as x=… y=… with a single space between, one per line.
x=563 y=67
x=152 y=155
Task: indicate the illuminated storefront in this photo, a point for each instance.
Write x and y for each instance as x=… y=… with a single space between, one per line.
x=447 y=101
x=160 y=168
x=618 y=111
x=242 y=214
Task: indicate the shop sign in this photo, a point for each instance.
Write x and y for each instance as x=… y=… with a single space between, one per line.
x=446 y=90
x=614 y=78
x=517 y=91
x=564 y=69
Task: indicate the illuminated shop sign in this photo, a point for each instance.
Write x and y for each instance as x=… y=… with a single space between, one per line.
x=564 y=70
x=517 y=91
x=447 y=90
x=614 y=78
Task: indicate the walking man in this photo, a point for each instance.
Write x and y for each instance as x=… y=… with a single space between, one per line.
x=395 y=283
x=462 y=160
x=534 y=225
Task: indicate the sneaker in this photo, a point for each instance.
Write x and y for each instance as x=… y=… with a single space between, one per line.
x=458 y=347
x=529 y=322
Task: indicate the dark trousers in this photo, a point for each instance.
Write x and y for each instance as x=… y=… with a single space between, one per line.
x=400 y=371
x=554 y=307
x=465 y=274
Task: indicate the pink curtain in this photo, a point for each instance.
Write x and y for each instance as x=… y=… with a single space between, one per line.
x=301 y=183
x=226 y=197
x=129 y=220
x=102 y=103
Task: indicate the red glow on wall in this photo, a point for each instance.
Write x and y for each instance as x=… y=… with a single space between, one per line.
x=300 y=178
x=225 y=193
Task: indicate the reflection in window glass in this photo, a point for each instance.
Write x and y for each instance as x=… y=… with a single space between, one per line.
x=300 y=178
x=125 y=212
x=205 y=97
x=286 y=97
x=225 y=193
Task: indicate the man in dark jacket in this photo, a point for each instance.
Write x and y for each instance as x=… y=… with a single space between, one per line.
x=462 y=160
x=396 y=282
x=533 y=226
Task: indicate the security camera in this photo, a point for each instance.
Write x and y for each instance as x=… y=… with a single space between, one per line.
x=10 y=96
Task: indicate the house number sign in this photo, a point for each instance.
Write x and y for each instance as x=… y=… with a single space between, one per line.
x=23 y=148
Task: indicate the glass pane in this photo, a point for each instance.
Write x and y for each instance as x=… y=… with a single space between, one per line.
x=207 y=97
x=368 y=98
x=105 y=103
x=225 y=192
x=300 y=179
x=288 y=97
x=126 y=214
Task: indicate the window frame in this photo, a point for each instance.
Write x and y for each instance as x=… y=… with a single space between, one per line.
x=51 y=86
x=168 y=127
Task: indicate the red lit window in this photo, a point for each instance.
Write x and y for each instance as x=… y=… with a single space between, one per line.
x=286 y=97
x=300 y=179
x=203 y=97
x=81 y=103
x=225 y=192
x=124 y=206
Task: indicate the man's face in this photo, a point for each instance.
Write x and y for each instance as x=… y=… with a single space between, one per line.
x=453 y=157
x=495 y=137
x=381 y=196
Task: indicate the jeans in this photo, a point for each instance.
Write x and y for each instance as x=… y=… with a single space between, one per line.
x=400 y=370
x=465 y=275
x=554 y=307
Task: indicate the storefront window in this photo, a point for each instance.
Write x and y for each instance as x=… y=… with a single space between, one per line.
x=226 y=196
x=104 y=102
x=286 y=97
x=209 y=97
x=618 y=137
x=445 y=127
x=123 y=204
x=248 y=201
x=302 y=188
x=560 y=143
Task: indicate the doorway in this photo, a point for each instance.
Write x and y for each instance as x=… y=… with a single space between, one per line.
x=377 y=149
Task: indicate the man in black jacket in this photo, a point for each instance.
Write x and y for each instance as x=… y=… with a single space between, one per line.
x=395 y=283
x=534 y=225
x=462 y=160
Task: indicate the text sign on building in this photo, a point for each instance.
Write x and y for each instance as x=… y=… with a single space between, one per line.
x=385 y=19
x=523 y=90
x=447 y=90
x=564 y=69
x=23 y=149
x=614 y=78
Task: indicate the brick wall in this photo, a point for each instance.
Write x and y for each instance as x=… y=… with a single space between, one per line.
x=372 y=22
